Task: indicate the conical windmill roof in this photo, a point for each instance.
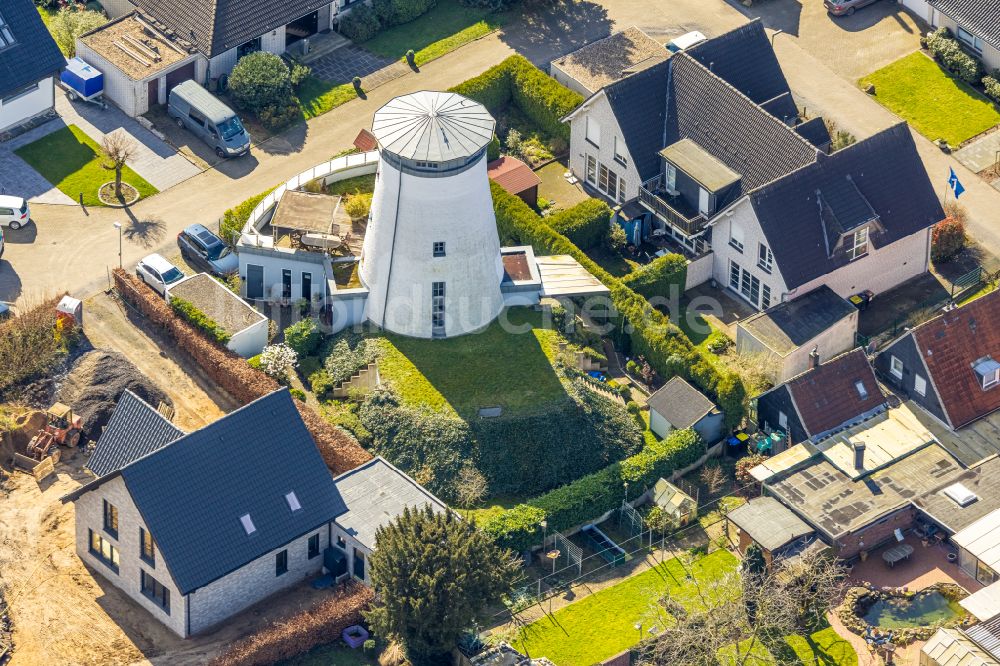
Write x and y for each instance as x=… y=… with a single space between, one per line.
x=433 y=126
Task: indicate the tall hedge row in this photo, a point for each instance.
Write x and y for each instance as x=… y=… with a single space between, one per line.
x=516 y=81
x=590 y=496
x=664 y=345
x=585 y=224
x=659 y=277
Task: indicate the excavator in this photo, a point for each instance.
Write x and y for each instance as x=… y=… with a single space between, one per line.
x=62 y=428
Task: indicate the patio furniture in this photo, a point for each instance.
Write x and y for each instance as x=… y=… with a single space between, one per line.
x=897 y=553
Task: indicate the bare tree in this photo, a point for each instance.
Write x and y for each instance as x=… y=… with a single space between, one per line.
x=470 y=487
x=117 y=149
x=713 y=478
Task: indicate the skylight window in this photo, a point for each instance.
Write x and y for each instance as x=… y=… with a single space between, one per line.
x=293 y=501
x=247 y=523
x=987 y=371
x=959 y=494
x=862 y=391
x=6 y=36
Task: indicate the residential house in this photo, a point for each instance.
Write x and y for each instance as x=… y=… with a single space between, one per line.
x=29 y=61
x=677 y=406
x=600 y=63
x=374 y=494
x=197 y=527
x=772 y=526
x=788 y=334
x=826 y=398
x=975 y=23
x=710 y=145
x=950 y=365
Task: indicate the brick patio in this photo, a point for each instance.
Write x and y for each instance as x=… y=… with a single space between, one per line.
x=925 y=567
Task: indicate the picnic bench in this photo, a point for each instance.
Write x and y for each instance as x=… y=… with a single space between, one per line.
x=897 y=553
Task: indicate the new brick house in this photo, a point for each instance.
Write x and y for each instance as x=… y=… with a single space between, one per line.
x=705 y=154
x=29 y=61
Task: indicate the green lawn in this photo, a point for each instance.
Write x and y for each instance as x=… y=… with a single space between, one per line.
x=334 y=654
x=317 y=96
x=613 y=262
x=937 y=104
x=494 y=367
x=69 y=159
x=443 y=29
x=824 y=647
x=493 y=507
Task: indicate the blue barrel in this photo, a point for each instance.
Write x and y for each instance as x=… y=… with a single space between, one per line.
x=82 y=78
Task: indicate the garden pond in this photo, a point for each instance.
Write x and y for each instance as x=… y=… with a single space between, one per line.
x=923 y=609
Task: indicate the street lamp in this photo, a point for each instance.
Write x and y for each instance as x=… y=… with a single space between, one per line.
x=626 y=492
x=118 y=226
x=545 y=526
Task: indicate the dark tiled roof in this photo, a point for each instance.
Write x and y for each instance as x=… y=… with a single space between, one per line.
x=886 y=171
x=219 y=25
x=681 y=404
x=981 y=17
x=135 y=430
x=787 y=326
x=34 y=54
x=949 y=344
x=743 y=57
x=639 y=104
x=815 y=132
x=826 y=397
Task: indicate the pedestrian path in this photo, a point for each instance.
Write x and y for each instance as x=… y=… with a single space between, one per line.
x=981 y=154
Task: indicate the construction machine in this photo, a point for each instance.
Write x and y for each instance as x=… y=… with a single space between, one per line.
x=62 y=427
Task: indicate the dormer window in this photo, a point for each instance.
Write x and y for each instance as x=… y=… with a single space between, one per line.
x=857 y=243
x=987 y=372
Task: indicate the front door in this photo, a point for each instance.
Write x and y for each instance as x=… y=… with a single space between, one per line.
x=255 y=281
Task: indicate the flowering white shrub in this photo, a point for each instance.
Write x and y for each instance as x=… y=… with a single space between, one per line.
x=276 y=360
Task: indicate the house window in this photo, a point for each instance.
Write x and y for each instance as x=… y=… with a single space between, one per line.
x=313 y=546
x=439 y=248
x=6 y=36
x=110 y=519
x=734 y=275
x=359 y=564
x=155 y=591
x=862 y=391
x=620 y=152
x=765 y=260
x=919 y=385
x=341 y=542
x=293 y=501
x=896 y=367
x=988 y=372
x=607 y=182
x=704 y=201
x=248 y=47
x=970 y=40
x=103 y=550
x=281 y=563
x=307 y=285
x=593 y=132
x=736 y=237
x=670 y=178
x=591 y=170
x=146 y=549
x=286 y=283
x=437 y=308
x=858 y=244
x=783 y=421
x=765 y=297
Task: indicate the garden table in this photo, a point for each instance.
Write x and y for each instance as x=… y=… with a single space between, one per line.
x=896 y=553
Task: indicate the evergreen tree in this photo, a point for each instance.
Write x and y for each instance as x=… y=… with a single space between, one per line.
x=434 y=574
x=754 y=573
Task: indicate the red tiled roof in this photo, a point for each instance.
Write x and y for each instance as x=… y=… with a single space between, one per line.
x=512 y=174
x=826 y=397
x=950 y=344
x=365 y=141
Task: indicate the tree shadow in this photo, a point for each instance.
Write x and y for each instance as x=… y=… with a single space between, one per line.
x=290 y=141
x=146 y=232
x=552 y=30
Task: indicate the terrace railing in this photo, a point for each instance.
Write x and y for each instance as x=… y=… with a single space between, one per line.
x=653 y=196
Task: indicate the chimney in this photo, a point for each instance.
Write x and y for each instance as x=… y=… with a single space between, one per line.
x=814 y=358
x=859 y=455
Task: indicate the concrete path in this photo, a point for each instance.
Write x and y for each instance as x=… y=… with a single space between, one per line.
x=981 y=154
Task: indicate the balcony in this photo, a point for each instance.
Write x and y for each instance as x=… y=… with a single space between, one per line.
x=670 y=208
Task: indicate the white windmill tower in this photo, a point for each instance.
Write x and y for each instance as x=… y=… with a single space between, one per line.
x=431 y=255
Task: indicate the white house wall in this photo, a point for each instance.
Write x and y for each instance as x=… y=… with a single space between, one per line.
x=347 y=308
x=835 y=340
x=600 y=110
x=251 y=340
x=563 y=77
x=744 y=216
x=700 y=270
x=272 y=41
x=27 y=106
x=89 y=511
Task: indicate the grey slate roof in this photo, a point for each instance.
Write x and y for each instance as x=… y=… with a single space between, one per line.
x=639 y=104
x=135 y=429
x=375 y=494
x=887 y=173
x=815 y=132
x=787 y=326
x=980 y=17
x=215 y=26
x=770 y=523
x=433 y=126
x=34 y=54
x=681 y=404
x=192 y=492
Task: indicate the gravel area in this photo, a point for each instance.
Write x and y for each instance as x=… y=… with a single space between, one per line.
x=218 y=303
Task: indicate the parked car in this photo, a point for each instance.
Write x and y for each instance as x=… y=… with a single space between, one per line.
x=198 y=110
x=845 y=7
x=14 y=212
x=207 y=251
x=685 y=42
x=158 y=273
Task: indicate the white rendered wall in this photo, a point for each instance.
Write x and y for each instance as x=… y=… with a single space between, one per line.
x=579 y=147
x=409 y=214
x=26 y=107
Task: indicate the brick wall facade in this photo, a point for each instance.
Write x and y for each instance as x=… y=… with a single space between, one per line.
x=877 y=534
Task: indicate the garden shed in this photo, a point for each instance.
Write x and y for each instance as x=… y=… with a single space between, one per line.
x=677 y=504
x=247 y=328
x=516 y=177
x=771 y=525
x=678 y=405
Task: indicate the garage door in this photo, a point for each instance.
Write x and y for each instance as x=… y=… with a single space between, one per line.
x=918 y=7
x=180 y=75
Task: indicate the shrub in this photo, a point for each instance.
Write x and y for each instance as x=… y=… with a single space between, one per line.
x=201 y=321
x=298 y=394
x=280 y=116
x=277 y=360
x=303 y=337
x=358 y=205
x=493 y=149
x=947 y=239
x=991 y=84
x=585 y=224
x=261 y=81
x=70 y=22
x=949 y=53
x=298 y=74
x=361 y=23
x=660 y=277
x=616 y=240
x=395 y=12
x=636 y=411
x=234 y=219
x=29 y=343
x=347 y=356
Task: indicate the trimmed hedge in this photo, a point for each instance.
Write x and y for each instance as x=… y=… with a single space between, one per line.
x=190 y=312
x=991 y=84
x=367 y=19
x=516 y=81
x=586 y=224
x=659 y=277
x=592 y=495
x=234 y=219
x=664 y=345
x=235 y=375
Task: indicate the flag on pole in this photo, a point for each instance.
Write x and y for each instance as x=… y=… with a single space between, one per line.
x=954 y=184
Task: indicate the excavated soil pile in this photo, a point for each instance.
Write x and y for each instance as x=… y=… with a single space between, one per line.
x=96 y=382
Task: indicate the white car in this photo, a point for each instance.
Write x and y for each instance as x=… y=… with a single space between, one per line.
x=158 y=273
x=14 y=212
x=685 y=42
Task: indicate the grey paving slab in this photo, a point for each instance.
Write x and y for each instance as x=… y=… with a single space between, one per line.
x=342 y=65
x=981 y=153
